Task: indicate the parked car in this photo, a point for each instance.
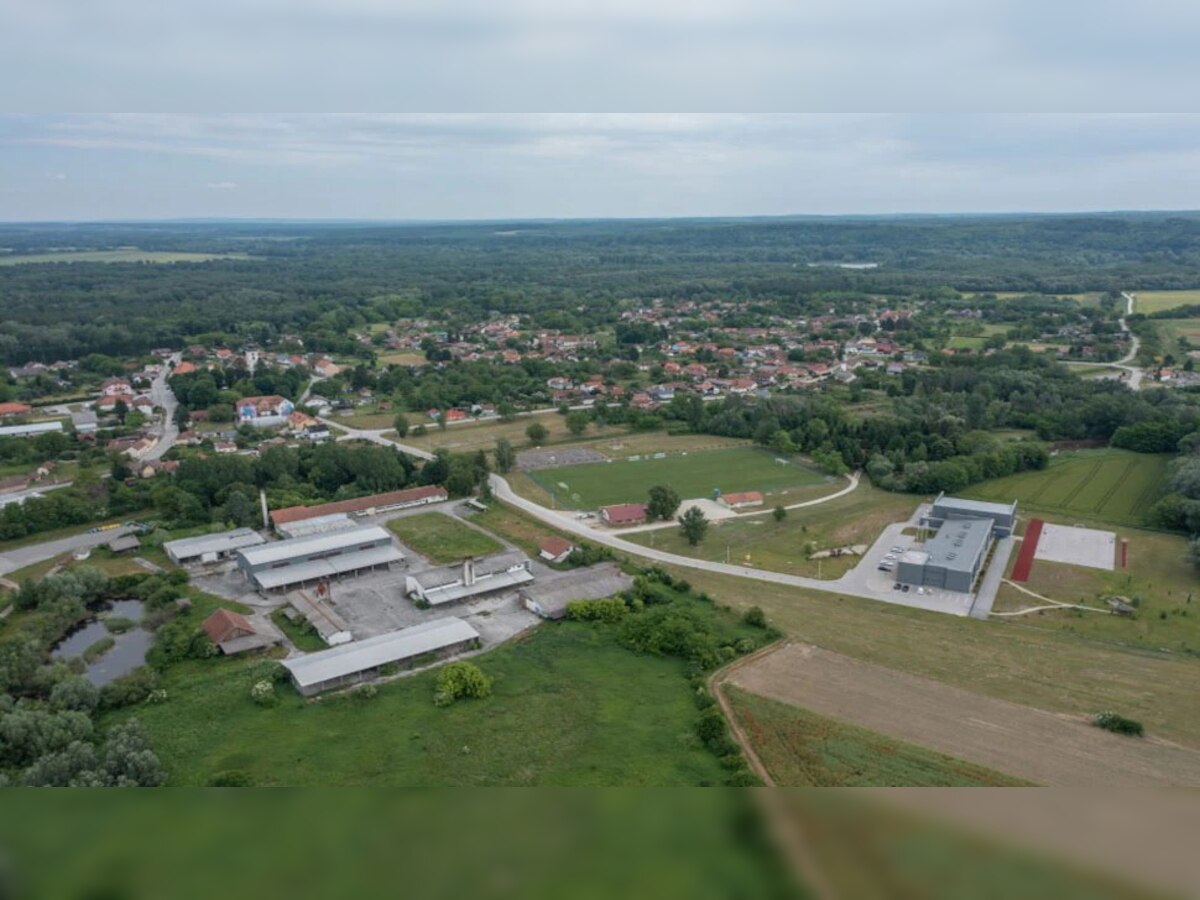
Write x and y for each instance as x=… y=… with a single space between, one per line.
x=904 y=588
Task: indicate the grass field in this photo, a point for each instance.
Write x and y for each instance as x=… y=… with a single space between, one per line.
x=760 y=541
x=692 y=475
x=803 y=749
x=442 y=539
x=570 y=706
x=1156 y=301
x=1103 y=485
x=1171 y=330
x=409 y=358
x=121 y=255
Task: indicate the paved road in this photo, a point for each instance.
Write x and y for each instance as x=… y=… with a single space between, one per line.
x=36 y=490
x=162 y=396
x=21 y=557
x=982 y=607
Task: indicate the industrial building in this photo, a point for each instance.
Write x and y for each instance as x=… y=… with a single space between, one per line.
x=210 y=548
x=30 y=430
x=549 y=596
x=351 y=663
x=316 y=525
x=951 y=559
x=474 y=578
x=362 y=506
x=1004 y=515
x=305 y=560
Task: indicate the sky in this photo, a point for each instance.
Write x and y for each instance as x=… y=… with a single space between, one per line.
x=472 y=166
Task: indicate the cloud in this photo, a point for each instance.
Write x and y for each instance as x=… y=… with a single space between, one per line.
x=221 y=185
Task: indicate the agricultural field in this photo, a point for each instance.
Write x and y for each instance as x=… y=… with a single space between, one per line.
x=604 y=716
x=1156 y=301
x=441 y=538
x=120 y=255
x=1173 y=330
x=409 y=358
x=761 y=542
x=1159 y=578
x=1107 y=485
x=803 y=749
x=696 y=474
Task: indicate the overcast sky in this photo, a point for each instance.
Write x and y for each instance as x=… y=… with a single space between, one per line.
x=534 y=165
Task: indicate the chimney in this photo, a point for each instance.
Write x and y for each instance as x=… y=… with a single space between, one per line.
x=468 y=572
x=262 y=499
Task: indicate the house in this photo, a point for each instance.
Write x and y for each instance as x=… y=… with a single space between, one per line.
x=234 y=633
x=622 y=514
x=328 y=368
x=299 y=421
x=555 y=549
x=270 y=411
x=224 y=447
x=143 y=404
x=14 y=409
x=742 y=500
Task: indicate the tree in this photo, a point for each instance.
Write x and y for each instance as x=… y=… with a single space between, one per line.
x=663 y=503
x=693 y=525
x=779 y=513
x=505 y=456
x=537 y=434
x=400 y=423
x=240 y=510
x=577 y=422
x=461 y=679
x=121 y=410
x=181 y=417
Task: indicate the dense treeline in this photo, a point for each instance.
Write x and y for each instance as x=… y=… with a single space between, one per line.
x=324 y=280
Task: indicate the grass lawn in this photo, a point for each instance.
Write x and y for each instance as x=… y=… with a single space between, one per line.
x=1059 y=671
x=691 y=475
x=482 y=435
x=961 y=342
x=519 y=529
x=1107 y=485
x=803 y=749
x=1159 y=576
x=120 y=255
x=300 y=633
x=760 y=541
x=570 y=706
x=409 y=358
x=442 y=539
x=1156 y=301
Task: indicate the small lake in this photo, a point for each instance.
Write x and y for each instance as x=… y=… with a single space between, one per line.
x=128 y=650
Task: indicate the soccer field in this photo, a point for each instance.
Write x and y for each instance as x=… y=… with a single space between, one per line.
x=1107 y=485
x=691 y=475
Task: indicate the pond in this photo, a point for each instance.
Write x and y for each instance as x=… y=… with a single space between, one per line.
x=127 y=652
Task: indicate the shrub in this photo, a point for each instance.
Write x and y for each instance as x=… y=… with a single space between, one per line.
x=755 y=617
x=74 y=693
x=744 y=645
x=231 y=778
x=128 y=689
x=1118 y=724
x=118 y=624
x=744 y=778
x=366 y=692
x=461 y=679
x=610 y=610
x=263 y=693
x=712 y=727
x=98 y=649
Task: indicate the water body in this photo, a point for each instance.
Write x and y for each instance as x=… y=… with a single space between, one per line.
x=128 y=650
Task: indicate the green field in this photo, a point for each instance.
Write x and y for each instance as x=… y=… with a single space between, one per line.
x=570 y=706
x=442 y=539
x=121 y=255
x=1155 y=301
x=691 y=475
x=802 y=749
x=1172 y=330
x=1105 y=485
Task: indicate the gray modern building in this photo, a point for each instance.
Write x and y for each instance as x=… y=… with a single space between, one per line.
x=285 y=564
x=1004 y=515
x=951 y=559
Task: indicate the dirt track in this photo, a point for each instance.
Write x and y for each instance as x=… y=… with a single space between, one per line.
x=1028 y=743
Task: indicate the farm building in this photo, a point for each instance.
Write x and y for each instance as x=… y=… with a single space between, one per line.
x=318 y=557
x=84 y=422
x=234 y=633
x=351 y=663
x=30 y=430
x=362 y=506
x=624 y=514
x=210 y=548
x=951 y=559
x=1004 y=515
x=317 y=525
x=330 y=627
x=474 y=578
x=555 y=549
x=124 y=543
x=549 y=597
x=742 y=500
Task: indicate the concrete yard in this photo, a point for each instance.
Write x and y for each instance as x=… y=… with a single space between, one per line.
x=1089 y=547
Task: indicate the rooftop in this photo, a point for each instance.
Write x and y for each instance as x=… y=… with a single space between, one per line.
x=358 y=504
x=214 y=543
x=958 y=543
x=294 y=548
x=359 y=656
x=316 y=569
x=977 y=507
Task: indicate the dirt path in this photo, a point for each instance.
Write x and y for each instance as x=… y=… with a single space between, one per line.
x=1045 y=748
x=717 y=682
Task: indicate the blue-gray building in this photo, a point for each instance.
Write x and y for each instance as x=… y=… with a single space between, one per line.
x=1004 y=515
x=952 y=559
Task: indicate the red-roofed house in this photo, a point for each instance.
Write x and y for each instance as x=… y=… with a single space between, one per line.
x=555 y=549
x=624 y=514
x=234 y=633
x=14 y=409
x=742 y=500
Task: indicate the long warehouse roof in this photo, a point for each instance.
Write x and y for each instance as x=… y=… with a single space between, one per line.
x=359 y=656
x=214 y=543
x=282 y=551
x=313 y=569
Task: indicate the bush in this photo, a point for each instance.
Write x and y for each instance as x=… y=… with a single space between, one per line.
x=755 y=617
x=744 y=778
x=461 y=679
x=610 y=610
x=712 y=727
x=366 y=692
x=1111 y=721
x=118 y=624
x=263 y=693
x=128 y=689
x=74 y=693
x=98 y=649
x=231 y=778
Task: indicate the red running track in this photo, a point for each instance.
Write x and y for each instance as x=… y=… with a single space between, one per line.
x=1024 y=562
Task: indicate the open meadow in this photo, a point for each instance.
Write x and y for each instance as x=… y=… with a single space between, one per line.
x=441 y=538
x=1156 y=301
x=1106 y=485
x=698 y=474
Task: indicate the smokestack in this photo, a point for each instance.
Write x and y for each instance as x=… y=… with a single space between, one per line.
x=468 y=573
x=262 y=499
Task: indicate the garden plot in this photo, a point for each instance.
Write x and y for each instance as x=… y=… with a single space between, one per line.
x=1077 y=546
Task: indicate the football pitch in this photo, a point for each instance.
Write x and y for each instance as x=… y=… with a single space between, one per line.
x=691 y=475
x=1108 y=485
